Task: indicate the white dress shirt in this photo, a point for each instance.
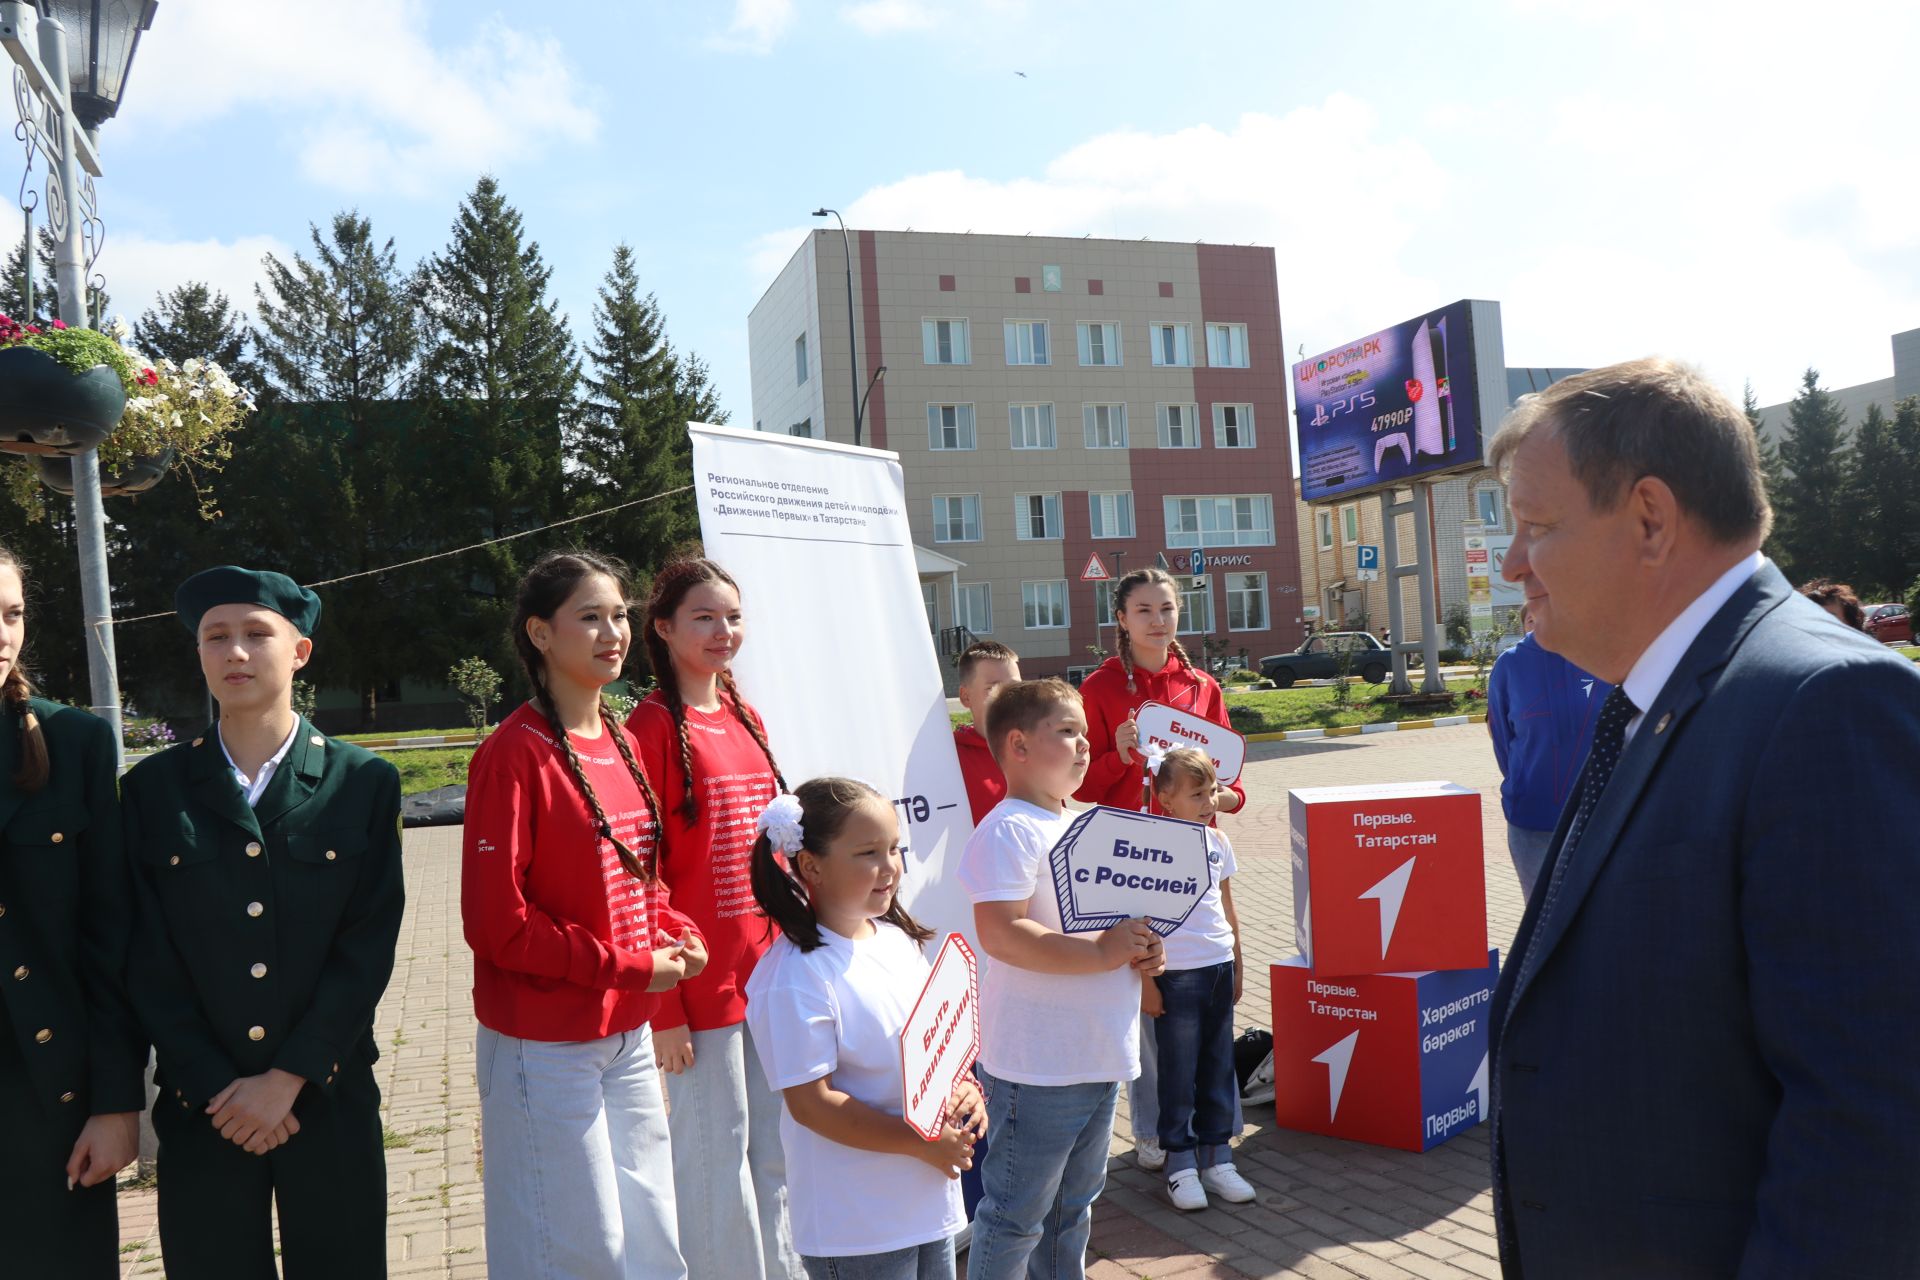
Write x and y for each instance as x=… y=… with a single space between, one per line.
x=1656 y=666
x=256 y=786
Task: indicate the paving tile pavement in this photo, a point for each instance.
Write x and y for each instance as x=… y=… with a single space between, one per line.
x=1328 y=1210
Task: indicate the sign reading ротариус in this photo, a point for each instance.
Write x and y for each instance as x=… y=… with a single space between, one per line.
x=941 y=1038
x=1115 y=864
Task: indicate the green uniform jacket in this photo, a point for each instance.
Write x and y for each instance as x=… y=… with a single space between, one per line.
x=266 y=934
x=66 y=913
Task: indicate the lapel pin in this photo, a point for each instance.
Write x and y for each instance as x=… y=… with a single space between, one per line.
x=1665 y=720
x=317 y=740
x=198 y=741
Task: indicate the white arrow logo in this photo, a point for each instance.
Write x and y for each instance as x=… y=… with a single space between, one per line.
x=1587 y=687
x=1478 y=1087
x=1389 y=893
x=1338 y=1059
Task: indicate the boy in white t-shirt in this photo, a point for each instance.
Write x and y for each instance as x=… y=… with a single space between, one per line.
x=1193 y=1003
x=1059 y=1013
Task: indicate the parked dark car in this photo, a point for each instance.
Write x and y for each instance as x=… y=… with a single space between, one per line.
x=1319 y=659
x=1889 y=623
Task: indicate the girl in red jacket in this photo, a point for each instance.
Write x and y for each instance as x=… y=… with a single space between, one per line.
x=1150 y=667
x=709 y=750
x=573 y=941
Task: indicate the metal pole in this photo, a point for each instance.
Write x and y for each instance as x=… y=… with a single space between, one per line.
x=1391 y=571
x=90 y=520
x=853 y=348
x=1423 y=548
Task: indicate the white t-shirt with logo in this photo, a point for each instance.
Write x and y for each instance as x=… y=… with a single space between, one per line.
x=838 y=1011
x=1044 y=1028
x=1206 y=938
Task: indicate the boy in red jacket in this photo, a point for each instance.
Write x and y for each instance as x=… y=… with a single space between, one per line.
x=984 y=667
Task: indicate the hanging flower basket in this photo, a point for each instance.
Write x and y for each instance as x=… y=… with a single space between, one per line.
x=138 y=475
x=48 y=408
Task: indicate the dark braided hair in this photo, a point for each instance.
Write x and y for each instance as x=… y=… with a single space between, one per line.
x=1125 y=587
x=554 y=578
x=15 y=690
x=670 y=588
x=824 y=806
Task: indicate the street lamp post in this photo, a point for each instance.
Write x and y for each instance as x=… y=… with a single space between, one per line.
x=853 y=349
x=61 y=101
x=859 y=413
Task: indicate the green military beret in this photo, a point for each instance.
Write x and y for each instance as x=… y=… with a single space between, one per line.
x=230 y=584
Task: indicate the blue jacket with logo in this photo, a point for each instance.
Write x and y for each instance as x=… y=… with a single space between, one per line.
x=1540 y=710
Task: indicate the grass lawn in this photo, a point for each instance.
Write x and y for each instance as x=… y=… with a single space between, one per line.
x=1276 y=710
x=1910 y=651
x=430 y=767
x=387 y=735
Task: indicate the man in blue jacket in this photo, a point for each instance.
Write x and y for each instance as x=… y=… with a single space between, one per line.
x=1704 y=1043
x=1540 y=711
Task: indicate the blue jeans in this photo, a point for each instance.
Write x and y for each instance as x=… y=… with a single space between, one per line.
x=918 y=1262
x=1197 y=1085
x=1046 y=1167
x=1143 y=1092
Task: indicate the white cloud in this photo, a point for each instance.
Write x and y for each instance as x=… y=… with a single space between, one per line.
x=138 y=269
x=369 y=104
x=883 y=17
x=756 y=27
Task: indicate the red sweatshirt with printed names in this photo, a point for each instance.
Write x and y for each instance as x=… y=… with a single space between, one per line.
x=1110 y=780
x=706 y=864
x=986 y=785
x=562 y=935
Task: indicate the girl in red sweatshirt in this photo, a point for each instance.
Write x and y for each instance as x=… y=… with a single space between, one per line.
x=1151 y=666
x=573 y=942
x=709 y=750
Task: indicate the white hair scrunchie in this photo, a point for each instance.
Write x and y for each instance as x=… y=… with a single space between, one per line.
x=1156 y=755
x=779 y=822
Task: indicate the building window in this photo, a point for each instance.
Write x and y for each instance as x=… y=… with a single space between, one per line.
x=1227 y=346
x=973 y=606
x=1172 y=345
x=1179 y=426
x=804 y=427
x=1036 y=516
x=1324 y=519
x=1240 y=520
x=1105 y=425
x=1349 y=525
x=1112 y=514
x=1196 y=606
x=930 y=598
x=1099 y=344
x=1491 y=505
x=1246 y=601
x=945 y=341
x=1032 y=426
x=1044 y=604
x=1233 y=426
x=1103 y=604
x=1027 y=342
x=950 y=426
x=800 y=359
x=956 y=517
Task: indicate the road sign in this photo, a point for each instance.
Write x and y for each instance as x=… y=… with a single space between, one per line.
x=1160 y=558
x=1367 y=575
x=1197 y=562
x=1096 y=570
x=1366 y=557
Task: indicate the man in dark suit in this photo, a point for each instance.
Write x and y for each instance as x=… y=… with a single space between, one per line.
x=1707 y=1035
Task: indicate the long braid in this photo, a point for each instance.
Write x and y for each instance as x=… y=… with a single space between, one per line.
x=601 y=824
x=619 y=733
x=660 y=658
x=1126 y=658
x=753 y=725
x=1179 y=651
x=33 y=771
x=1124 y=588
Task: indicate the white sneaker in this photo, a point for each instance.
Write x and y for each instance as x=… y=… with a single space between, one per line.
x=1149 y=1155
x=1225 y=1181
x=1183 y=1188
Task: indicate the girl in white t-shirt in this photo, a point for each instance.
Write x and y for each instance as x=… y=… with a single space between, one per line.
x=869 y=1198
x=1196 y=995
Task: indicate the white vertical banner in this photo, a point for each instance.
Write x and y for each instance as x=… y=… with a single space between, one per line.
x=838 y=658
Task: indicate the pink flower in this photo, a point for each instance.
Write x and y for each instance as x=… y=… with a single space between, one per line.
x=59 y=324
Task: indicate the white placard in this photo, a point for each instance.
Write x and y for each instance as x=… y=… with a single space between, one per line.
x=1116 y=864
x=941 y=1038
x=1163 y=726
x=816 y=535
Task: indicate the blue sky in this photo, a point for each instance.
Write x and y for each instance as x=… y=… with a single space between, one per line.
x=1733 y=184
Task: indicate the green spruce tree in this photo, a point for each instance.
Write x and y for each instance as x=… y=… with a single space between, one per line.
x=196 y=321
x=1812 y=538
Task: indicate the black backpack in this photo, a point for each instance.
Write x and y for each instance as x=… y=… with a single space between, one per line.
x=1253 y=1065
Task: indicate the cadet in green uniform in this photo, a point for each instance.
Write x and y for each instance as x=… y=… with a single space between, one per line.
x=72 y=1055
x=267 y=863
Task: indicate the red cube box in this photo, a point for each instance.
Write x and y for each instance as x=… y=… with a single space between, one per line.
x=1396 y=1059
x=1389 y=879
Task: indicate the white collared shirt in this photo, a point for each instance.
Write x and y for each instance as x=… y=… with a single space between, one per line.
x=256 y=786
x=1656 y=665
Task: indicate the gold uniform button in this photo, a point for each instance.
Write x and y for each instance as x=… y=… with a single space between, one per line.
x=254 y=908
x=331 y=855
x=57 y=837
x=43 y=1035
x=19 y=975
x=253 y=848
x=67 y=1096
x=174 y=861
x=258 y=970
x=256 y=1033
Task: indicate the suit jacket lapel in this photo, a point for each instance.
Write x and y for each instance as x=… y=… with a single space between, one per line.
x=293 y=783
x=1659 y=726
x=212 y=780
